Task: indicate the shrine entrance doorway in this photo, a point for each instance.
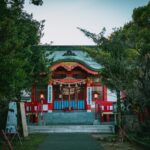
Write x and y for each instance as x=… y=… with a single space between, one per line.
x=69 y=97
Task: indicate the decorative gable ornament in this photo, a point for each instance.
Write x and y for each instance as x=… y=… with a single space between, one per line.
x=69 y=53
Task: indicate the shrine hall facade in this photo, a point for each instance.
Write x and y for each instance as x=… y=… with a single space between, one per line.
x=74 y=85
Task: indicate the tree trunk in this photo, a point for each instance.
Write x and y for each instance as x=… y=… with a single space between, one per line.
x=19 y=115
x=119 y=117
x=6 y=141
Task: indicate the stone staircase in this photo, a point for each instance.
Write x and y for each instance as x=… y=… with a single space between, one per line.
x=68 y=118
x=72 y=129
x=70 y=122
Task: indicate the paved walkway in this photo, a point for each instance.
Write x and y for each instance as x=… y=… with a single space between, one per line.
x=70 y=141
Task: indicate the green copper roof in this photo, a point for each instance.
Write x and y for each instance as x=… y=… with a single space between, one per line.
x=73 y=53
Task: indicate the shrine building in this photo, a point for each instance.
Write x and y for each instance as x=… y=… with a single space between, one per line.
x=74 y=87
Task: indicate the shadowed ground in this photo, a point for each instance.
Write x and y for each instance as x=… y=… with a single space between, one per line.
x=70 y=141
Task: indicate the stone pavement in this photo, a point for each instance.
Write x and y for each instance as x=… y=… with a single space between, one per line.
x=70 y=141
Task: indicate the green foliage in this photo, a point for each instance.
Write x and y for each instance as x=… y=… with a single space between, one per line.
x=31 y=142
x=18 y=32
x=39 y=63
x=3 y=113
x=125 y=56
x=37 y=2
x=141 y=16
x=116 y=58
x=138 y=30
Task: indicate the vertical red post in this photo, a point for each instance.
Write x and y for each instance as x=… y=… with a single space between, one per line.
x=107 y=117
x=105 y=93
x=96 y=111
x=33 y=92
x=102 y=117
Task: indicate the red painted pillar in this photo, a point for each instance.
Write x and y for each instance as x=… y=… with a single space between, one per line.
x=102 y=118
x=104 y=93
x=107 y=117
x=33 y=92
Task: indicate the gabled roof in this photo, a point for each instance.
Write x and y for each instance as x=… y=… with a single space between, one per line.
x=72 y=53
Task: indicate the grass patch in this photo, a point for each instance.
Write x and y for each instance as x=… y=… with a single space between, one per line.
x=29 y=143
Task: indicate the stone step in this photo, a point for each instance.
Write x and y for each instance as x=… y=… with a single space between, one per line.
x=56 y=118
x=72 y=129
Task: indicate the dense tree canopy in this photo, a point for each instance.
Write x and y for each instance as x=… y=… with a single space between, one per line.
x=125 y=56
x=18 y=33
x=139 y=30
